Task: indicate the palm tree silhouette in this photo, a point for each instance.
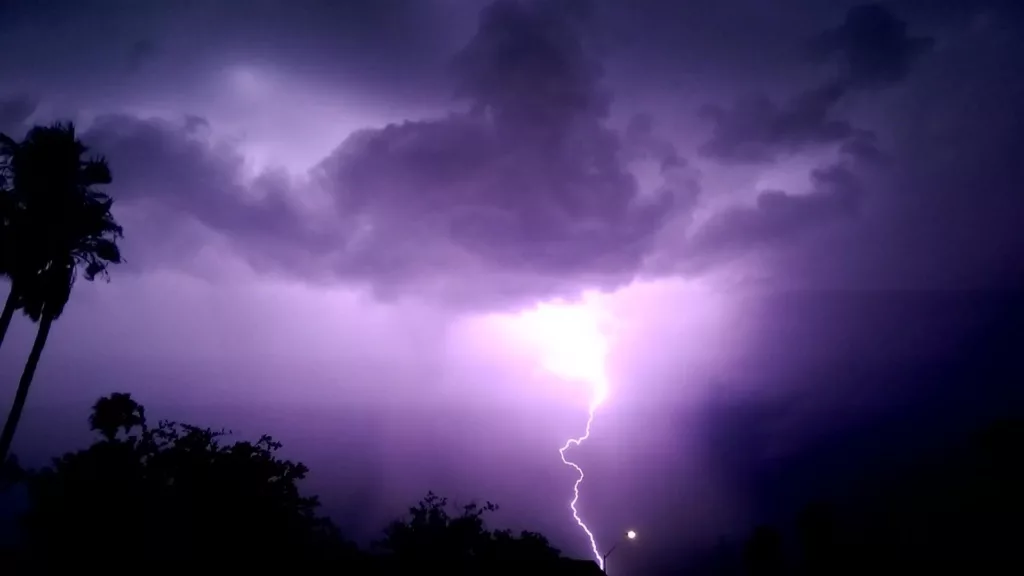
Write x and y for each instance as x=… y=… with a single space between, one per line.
x=54 y=224
x=8 y=252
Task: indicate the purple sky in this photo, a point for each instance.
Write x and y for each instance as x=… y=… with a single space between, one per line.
x=336 y=212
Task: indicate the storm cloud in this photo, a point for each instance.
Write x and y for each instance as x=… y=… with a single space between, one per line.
x=834 y=193
x=871 y=50
x=528 y=183
x=15 y=111
x=526 y=188
x=524 y=193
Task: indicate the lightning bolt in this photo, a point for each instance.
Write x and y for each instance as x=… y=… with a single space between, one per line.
x=591 y=410
x=573 y=346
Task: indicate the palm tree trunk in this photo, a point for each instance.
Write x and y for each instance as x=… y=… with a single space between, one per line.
x=5 y=318
x=26 y=381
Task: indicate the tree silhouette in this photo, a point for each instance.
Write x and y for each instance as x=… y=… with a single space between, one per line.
x=992 y=501
x=9 y=207
x=172 y=492
x=433 y=532
x=54 y=222
x=436 y=536
x=174 y=496
x=763 y=554
x=819 y=540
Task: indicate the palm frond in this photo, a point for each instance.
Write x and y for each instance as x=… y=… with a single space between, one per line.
x=54 y=220
x=48 y=291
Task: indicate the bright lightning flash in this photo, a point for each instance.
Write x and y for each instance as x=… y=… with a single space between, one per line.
x=574 y=347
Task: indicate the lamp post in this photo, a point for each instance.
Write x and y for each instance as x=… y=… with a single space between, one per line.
x=629 y=535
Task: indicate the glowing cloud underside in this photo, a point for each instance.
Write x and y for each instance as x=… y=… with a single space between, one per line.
x=573 y=347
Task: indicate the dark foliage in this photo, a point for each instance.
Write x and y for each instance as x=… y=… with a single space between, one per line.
x=176 y=496
x=172 y=492
x=762 y=554
x=438 y=538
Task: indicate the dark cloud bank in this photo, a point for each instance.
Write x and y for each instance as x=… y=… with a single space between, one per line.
x=525 y=192
x=871 y=50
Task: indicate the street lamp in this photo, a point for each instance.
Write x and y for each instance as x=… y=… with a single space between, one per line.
x=630 y=535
